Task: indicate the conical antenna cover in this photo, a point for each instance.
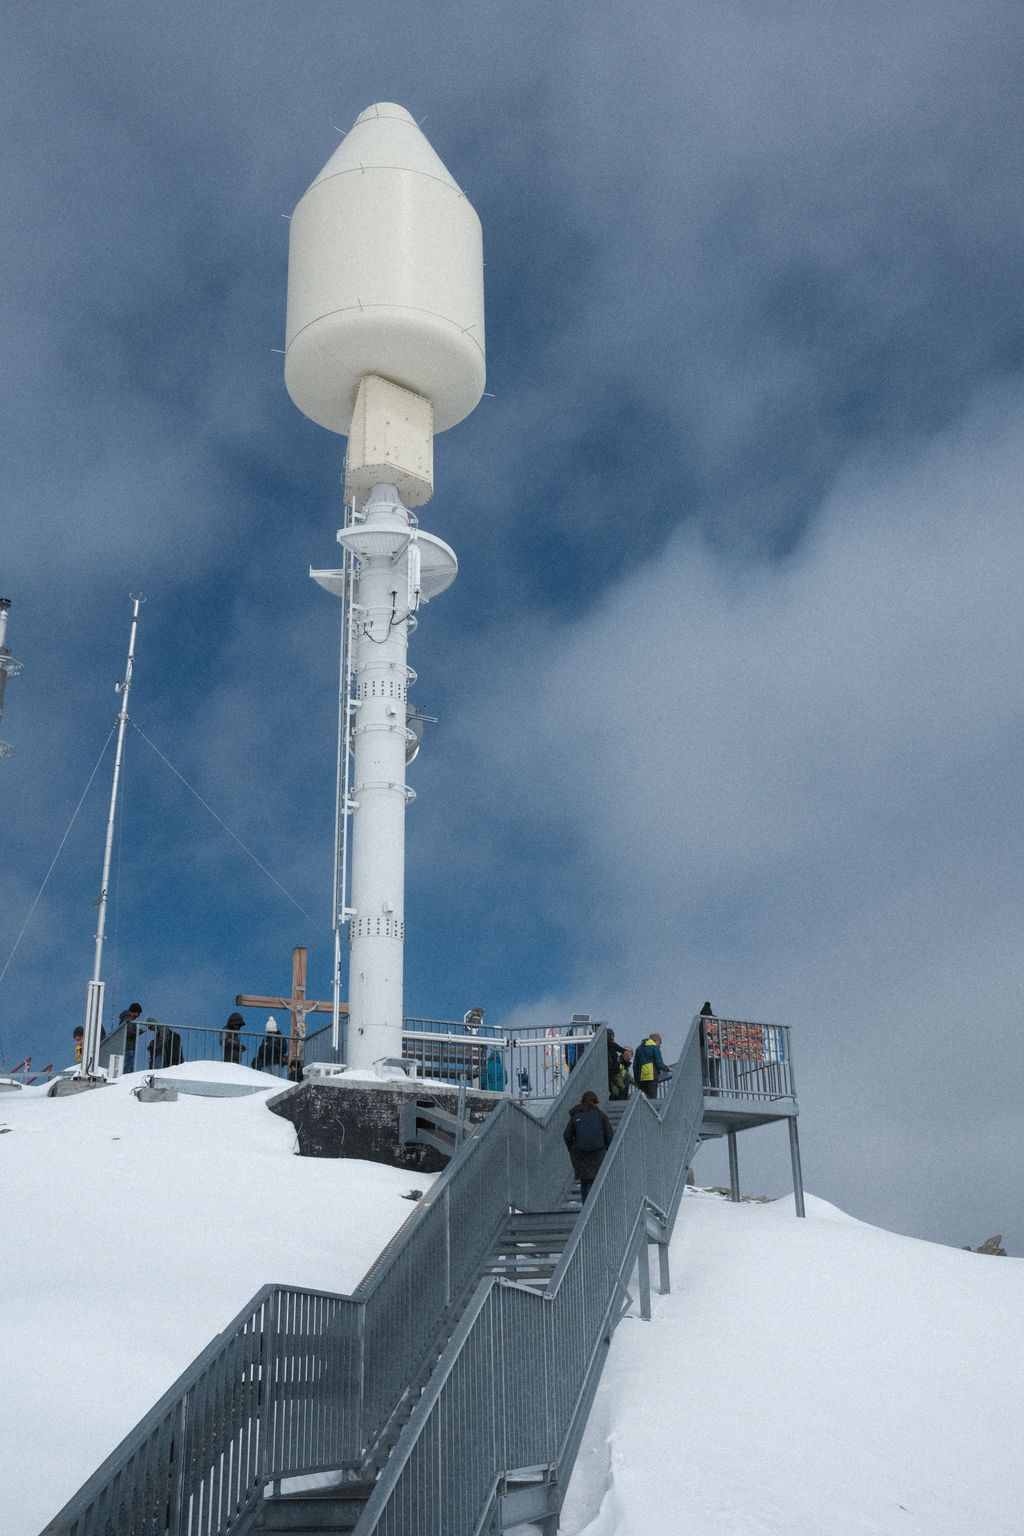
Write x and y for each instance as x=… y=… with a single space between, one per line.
x=385 y=277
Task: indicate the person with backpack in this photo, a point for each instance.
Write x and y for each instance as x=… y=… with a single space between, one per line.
x=620 y=1082
x=588 y=1137
x=648 y=1067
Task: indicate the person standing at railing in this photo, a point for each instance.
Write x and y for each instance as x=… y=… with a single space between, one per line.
x=129 y=1019
x=234 y=1050
x=648 y=1067
x=615 y=1051
x=620 y=1081
x=165 y=1047
x=273 y=1051
x=588 y=1137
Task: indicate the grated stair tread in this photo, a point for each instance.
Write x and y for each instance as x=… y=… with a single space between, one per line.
x=323 y=1511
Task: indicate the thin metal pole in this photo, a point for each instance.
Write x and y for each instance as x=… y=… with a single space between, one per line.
x=734 y=1168
x=8 y=666
x=798 y=1178
x=94 y=997
x=460 y=1127
x=663 y=1275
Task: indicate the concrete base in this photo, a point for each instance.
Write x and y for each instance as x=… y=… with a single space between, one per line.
x=63 y=1087
x=335 y=1118
x=216 y=1090
x=148 y=1095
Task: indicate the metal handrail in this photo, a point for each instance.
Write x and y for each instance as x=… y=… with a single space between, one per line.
x=306 y=1381
x=524 y=1416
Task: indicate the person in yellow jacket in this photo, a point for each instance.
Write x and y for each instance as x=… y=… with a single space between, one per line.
x=648 y=1066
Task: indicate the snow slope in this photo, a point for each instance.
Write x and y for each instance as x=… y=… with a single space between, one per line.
x=804 y=1377
x=810 y=1377
x=131 y=1234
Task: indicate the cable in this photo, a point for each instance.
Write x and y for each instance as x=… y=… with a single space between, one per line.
x=227 y=829
x=56 y=856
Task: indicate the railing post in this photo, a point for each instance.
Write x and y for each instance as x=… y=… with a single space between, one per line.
x=663 y=1276
x=734 y=1168
x=644 y=1278
x=798 y=1178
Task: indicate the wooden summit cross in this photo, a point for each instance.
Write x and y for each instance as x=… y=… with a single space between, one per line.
x=297 y=1006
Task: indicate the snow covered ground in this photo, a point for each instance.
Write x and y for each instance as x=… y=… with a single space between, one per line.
x=803 y=1378
x=131 y=1234
x=810 y=1377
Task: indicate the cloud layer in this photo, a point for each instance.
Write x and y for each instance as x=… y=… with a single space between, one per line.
x=727 y=685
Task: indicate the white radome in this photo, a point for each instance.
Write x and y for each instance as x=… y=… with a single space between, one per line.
x=385 y=277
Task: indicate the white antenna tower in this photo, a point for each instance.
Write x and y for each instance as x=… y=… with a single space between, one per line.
x=384 y=344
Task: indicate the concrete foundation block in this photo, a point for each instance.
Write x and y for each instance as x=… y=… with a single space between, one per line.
x=64 y=1087
x=335 y=1118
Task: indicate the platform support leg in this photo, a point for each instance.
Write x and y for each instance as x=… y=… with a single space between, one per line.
x=798 y=1178
x=644 y=1279
x=663 y=1275
x=734 y=1168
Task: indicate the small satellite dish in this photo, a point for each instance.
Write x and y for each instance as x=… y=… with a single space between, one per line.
x=414 y=723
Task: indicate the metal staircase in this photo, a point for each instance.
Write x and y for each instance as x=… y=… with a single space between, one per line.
x=450 y=1392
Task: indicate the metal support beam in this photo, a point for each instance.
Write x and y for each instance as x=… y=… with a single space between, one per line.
x=663 y=1275
x=734 y=1168
x=644 y=1279
x=798 y=1178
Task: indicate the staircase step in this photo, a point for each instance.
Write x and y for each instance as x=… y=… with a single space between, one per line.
x=322 y=1510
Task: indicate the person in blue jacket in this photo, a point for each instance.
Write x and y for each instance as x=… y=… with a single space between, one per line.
x=587 y=1137
x=648 y=1066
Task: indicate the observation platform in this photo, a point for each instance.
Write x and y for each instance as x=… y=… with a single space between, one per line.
x=747 y=1072
x=748 y=1075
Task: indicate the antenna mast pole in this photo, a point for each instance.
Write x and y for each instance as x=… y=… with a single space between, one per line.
x=90 y=1066
x=8 y=666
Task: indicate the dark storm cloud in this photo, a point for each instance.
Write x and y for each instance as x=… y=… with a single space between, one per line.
x=732 y=252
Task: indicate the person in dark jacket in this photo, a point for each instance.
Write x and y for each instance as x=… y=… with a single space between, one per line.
x=620 y=1080
x=615 y=1051
x=648 y=1066
x=129 y=1018
x=588 y=1137
x=273 y=1051
x=164 y=1050
x=234 y=1050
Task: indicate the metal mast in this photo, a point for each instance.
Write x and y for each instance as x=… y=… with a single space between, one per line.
x=8 y=666
x=90 y=1066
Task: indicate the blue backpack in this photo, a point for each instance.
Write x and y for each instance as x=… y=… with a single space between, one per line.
x=590 y=1131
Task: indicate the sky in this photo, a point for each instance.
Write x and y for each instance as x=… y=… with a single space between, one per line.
x=729 y=684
